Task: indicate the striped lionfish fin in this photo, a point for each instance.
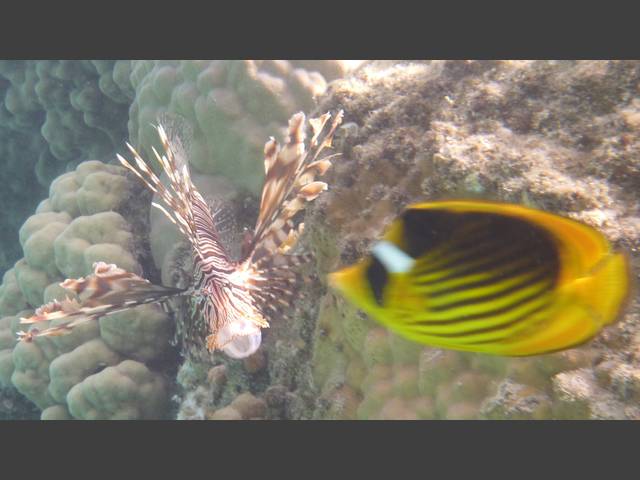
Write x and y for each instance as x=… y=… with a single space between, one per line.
x=187 y=209
x=290 y=183
x=106 y=291
x=274 y=287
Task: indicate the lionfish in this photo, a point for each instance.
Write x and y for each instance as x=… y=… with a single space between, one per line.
x=236 y=298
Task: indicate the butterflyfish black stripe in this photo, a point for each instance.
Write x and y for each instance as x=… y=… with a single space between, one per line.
x=526 y=282
x=509 y=271
x=523 y=319
x=461 y=240
x=451 y=256
x=488 y=265
x=426 y=320
x=475 y=264
x=542 y=251
x=425 y=229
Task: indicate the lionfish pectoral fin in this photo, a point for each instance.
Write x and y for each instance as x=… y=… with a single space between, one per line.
x=182 y=203
x=108 y=290
x=275 y=287
x=290 y=182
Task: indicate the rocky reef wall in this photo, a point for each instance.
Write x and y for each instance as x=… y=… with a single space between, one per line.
x=562 y=136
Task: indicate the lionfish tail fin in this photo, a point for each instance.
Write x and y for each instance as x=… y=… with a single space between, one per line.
x=290 y=183
x=106 y=291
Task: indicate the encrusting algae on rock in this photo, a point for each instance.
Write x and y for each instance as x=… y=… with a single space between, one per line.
x=486 y=139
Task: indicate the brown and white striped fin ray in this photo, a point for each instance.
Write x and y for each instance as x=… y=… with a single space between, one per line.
x=275 y=288
x=178 y=211
x=317 y=125
x=106 y=291
x=185 y=206
x=192 y=206
x=281 y=165
x=290 y=181
x=291 y=240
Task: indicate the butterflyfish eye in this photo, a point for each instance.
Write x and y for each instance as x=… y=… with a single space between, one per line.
x=377 y=277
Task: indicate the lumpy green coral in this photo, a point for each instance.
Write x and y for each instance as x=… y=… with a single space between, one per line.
x=126 y=391
x=103 y=236
x=233 y=107
x=143 y=334
x=53 y=115
x=81 y=223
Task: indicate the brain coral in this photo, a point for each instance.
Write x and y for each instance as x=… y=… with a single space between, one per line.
x=233 y=106
x=67 y=376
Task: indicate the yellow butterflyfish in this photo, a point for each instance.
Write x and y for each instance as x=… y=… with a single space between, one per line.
x=489 y=277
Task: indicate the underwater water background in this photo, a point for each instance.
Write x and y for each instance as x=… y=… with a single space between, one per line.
x=561 y=136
